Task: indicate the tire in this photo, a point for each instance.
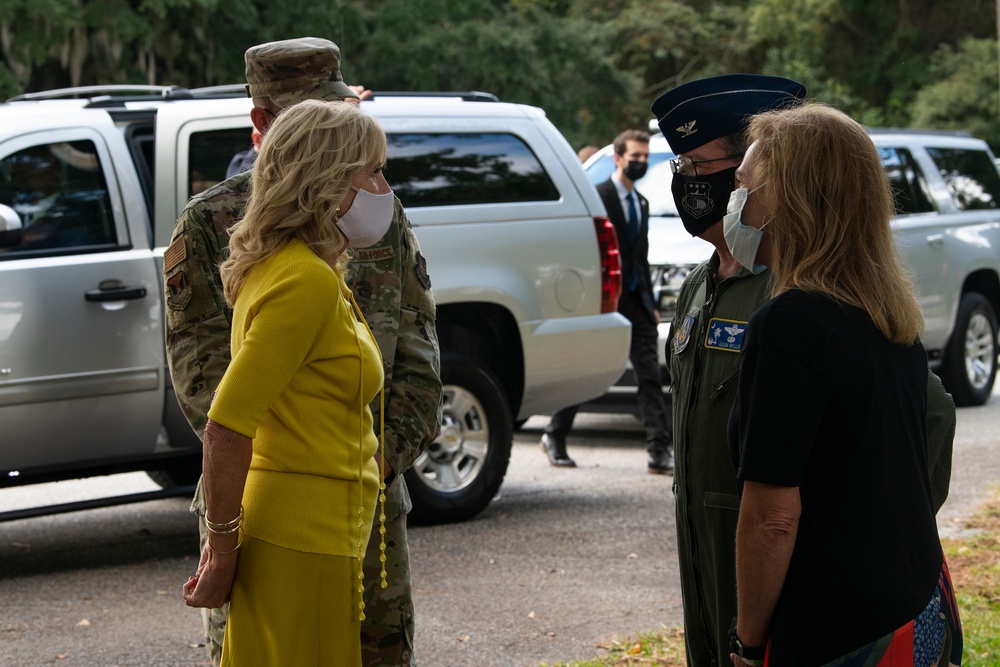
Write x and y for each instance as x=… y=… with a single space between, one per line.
x=970 y=360
x=461 y=471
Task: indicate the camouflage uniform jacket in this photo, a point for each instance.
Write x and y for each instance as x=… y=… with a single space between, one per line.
x=390 y=284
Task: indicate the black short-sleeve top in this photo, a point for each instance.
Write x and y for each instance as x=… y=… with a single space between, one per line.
x=828 y=404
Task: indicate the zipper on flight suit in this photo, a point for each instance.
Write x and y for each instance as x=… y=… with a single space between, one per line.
x=723 y=384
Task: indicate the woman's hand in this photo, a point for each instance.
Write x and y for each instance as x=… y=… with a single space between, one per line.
x=212 y=583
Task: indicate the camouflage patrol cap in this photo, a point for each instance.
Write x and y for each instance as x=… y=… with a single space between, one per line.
x=292 y=70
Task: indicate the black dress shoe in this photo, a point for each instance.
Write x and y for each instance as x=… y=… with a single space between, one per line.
x=554 y=447
x=661 y=463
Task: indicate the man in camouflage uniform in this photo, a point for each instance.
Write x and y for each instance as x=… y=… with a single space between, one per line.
x=392 y=288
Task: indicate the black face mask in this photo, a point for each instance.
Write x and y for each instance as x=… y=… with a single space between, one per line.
x=635 y=170
x=702 y=200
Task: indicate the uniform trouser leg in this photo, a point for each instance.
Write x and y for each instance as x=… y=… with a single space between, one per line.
x=562 y=421
x=649 y=382
x=387 y=631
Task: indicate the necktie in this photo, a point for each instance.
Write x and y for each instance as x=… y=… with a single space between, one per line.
x=633 y=219
x=633 y=233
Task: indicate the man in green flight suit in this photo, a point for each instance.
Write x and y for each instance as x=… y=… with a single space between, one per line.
x=704 y=122
x=393 y=290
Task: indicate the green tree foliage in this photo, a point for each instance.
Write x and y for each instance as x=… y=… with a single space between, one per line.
x=594 y=66
x=964 y=95
x=533 y=57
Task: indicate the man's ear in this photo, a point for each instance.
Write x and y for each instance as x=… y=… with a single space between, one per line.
x=261 y=119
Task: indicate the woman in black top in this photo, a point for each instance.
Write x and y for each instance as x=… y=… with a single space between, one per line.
x=838 y=556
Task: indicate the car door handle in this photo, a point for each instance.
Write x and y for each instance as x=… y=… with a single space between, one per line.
x=114 y=290
x=935 y=240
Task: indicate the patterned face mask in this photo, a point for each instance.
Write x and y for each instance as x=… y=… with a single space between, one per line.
x=700 y=199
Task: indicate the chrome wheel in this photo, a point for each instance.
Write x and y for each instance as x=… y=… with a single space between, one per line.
x=980 y=351
x=455 y=459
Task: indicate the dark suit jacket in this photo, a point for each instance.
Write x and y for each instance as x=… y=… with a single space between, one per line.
x=635 y=260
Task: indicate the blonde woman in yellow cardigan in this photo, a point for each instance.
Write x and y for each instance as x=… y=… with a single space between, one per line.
x=290 y=460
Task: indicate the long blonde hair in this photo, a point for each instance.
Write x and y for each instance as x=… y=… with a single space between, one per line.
x=307 y=160
x=832 y=206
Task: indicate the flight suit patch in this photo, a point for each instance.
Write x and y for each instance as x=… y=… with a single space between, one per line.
x=683 y=335
x=725 y=335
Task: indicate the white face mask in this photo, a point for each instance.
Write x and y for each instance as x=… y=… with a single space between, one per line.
x=368 y=219
x=743 y=240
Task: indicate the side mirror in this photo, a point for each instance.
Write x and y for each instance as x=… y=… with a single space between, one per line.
x=11 y=229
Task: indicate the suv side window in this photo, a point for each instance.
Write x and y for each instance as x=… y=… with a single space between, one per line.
x=209 y=155
x=971 y=176
x=60 y=194
x=456 y=169
x=908 y=185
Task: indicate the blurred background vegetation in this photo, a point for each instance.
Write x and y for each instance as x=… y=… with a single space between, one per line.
x=595 y=66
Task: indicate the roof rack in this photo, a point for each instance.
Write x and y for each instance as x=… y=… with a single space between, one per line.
x=100 y=91
x=113 y=95
x=916 y=130
x=225 y=90
x=468 y=96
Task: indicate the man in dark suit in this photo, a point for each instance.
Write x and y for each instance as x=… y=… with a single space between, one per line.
x=629 y=212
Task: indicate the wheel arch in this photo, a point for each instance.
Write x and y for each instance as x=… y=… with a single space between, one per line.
x=985 y=281
x=487 y=333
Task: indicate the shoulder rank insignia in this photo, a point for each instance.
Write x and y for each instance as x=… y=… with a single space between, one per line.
x=683 y=335
x=725 y=334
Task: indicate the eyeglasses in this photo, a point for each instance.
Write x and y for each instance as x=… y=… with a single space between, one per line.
x=685 y=166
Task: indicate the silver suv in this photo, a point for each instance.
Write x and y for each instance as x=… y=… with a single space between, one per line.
x=947 y=190
x=524 y=266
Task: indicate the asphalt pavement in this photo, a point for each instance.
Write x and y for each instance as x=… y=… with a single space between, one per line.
x=560 y=562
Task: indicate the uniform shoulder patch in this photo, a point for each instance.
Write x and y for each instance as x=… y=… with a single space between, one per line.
x=683 y=335
x=175 y=253
x=178 y=291
x=420 y=267
x=726 y=335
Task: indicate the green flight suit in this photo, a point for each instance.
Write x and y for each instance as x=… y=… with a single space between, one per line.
x=704 y=363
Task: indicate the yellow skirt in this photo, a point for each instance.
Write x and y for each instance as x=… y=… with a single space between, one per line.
x=292 y=608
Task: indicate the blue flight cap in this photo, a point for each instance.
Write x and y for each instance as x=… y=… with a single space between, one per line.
x=694 y=113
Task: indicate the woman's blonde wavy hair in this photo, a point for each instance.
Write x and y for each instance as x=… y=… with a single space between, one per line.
x=308 y=158
x=832 y=206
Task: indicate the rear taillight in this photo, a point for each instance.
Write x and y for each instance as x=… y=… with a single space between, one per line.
x=611 y=264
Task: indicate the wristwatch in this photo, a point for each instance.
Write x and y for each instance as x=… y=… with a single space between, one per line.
x=748 y=654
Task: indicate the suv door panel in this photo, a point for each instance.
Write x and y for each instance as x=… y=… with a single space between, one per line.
x=95 y=393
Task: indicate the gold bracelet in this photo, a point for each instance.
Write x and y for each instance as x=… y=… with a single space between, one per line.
x=227 y=527
x=239 y=541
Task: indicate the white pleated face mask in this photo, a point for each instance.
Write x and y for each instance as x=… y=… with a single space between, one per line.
x=368 y=219
x=743 y=240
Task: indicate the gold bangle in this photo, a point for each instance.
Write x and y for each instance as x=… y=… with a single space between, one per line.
x=239 y=541
x=226 y=527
